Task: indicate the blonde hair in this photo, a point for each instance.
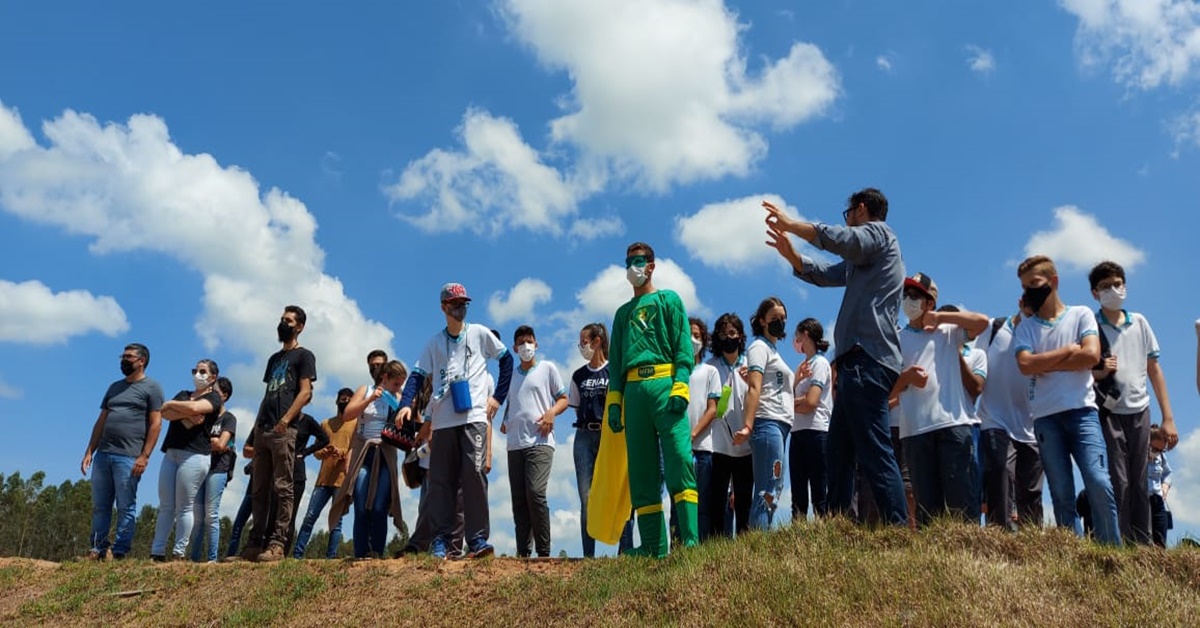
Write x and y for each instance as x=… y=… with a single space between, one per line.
x=1038 y=265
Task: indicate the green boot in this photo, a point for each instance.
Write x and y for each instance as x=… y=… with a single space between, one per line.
x=653 y=528
x=687 y=522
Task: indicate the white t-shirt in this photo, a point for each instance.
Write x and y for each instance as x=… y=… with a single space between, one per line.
x=977 y=361
x=532 y=394
x=822 y=377
x=776 y=400
x=374 y=416
x=1004 y=403
x=1134 y=344
x=704 y=384
x=1059 y=391
x=724 y=427
x=447 y=359
x=943 y=402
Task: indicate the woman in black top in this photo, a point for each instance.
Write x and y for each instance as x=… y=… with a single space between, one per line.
x=208 y=498
x=188 y=448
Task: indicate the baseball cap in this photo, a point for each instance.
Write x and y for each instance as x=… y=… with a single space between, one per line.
x=922 y=282
x=454 y=291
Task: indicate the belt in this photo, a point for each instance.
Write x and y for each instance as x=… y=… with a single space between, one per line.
x=591 y=426
x=650 y=371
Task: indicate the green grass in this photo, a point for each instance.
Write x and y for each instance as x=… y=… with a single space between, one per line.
x=827 y=573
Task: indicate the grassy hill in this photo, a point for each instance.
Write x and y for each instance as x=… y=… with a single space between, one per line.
x=829 y=573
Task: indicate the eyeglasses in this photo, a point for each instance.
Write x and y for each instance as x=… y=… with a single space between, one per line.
x=199 y=371
x=846 y=213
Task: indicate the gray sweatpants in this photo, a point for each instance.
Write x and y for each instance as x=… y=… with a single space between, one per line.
x=456 y=463
x=529 y=475
x=1127 y=438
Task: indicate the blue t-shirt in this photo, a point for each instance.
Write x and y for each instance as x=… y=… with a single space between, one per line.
x=129 y=406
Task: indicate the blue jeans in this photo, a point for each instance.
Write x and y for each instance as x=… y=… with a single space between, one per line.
x=806 y=467
x=113 y=480
x=208 y=516
x=944 y=469
x=1076 y=434
x=179 y=479
x=370 y=520
x=703 y=462
x=768 y=450
x=239 y=521
x=585 y=449
x=316 y=503
x=859 y=432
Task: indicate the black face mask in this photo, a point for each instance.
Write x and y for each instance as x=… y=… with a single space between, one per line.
x=127 y=367
x=1035 y=298
x=286 y=332
x=776 y=328
x=728 y=345
x=341 y=406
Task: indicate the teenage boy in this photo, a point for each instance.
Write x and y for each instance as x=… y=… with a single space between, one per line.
x=1057 y=346
x=1012 y=466
x=289 y=378
x=936 y=425
x=122 y=440
x=460 y=413
x=651 y=363
x=334 y=459
x=1131 y=361
x=538 y=396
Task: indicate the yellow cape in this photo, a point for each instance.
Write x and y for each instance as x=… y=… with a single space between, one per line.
x=609 y=503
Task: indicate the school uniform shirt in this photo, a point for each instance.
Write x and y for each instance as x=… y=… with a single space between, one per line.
x=704 y=384
x=1059 y=391
x=943 y=402
x=822 y=377
x=588 y=388
x=776 y=400
x=1004 y=403
x=532 y=394
x=723 y=427
x=193 y=439
x=446 y=360
x=977 y=362
x=1134 y=344
x=1158 y=474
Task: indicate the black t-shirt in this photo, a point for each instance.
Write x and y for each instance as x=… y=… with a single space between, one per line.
x=223 y=462
x=193 y=439
x=592 y=387
x=284 y=371
x=307 y=427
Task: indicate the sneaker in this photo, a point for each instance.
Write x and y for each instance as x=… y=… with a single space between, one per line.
x=480 y=549
x=438 y=549
x=158 y=558
x=248 y=554
x=273 y=553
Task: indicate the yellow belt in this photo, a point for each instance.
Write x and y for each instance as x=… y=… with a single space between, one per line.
x=650 y=371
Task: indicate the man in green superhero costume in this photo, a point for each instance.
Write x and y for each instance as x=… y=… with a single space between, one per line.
x=649 y=365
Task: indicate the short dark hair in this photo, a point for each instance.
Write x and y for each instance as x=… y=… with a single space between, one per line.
x=641 y=246
x=377 y=353
x=729 y=319
x=299 y=312
x=704 y=337
x=756 y=323
x=813 y=329
x=213 y=369
x=344 y=392
x=876 y=202
x=523 y=330
x=225 y=387
x=142 y=351
x=1105 y=270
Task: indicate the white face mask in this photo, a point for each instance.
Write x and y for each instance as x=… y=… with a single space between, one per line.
x=1112 y=298
x=913 y=308
x=200 y=381
x=696 y=345
x=526 y=352
x=636 y=275
x=586 y=352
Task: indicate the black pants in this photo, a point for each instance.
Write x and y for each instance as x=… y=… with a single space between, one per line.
x=1159 y=520
x=739 y=471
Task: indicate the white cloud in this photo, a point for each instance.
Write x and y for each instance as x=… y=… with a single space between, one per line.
x=883 y=62
x=1185 y=130
x=1079 y=242
x=520 y=301
x=30 y=312
x=980 y=60
x=1147 y=42
x=661 y=90
x=731 y=234
x=8 y=391
x=595 y=228
x=130 y=188
x=1184 y=498
x=609 y=290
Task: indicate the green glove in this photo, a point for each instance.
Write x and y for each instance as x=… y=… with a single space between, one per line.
x=614 y=419
x=676 y=404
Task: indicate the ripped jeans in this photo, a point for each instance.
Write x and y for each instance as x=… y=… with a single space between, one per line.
x=768 y=449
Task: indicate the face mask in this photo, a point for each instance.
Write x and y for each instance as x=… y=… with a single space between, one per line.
x=913 y=308
x=341 y=406
x=1112 y=298
x=126 y=367
x=696 y=345
x=586 y=352
x=458 y=312
x=526 y=352
x=636 y=276
x=729 y=345
x=775 y=328
x=1035 y=298
x=285 y=332
x=200 y=381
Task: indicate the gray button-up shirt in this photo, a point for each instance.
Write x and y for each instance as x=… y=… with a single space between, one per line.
x=873 y=273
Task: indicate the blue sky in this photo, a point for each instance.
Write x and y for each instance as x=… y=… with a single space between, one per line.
x=175 y=175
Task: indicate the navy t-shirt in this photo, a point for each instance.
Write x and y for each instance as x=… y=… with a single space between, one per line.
x=284 y=371
x=588 y=390
x=193 y=439
x=129 y=405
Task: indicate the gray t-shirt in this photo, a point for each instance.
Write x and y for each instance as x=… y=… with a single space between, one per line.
x=129 y=406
